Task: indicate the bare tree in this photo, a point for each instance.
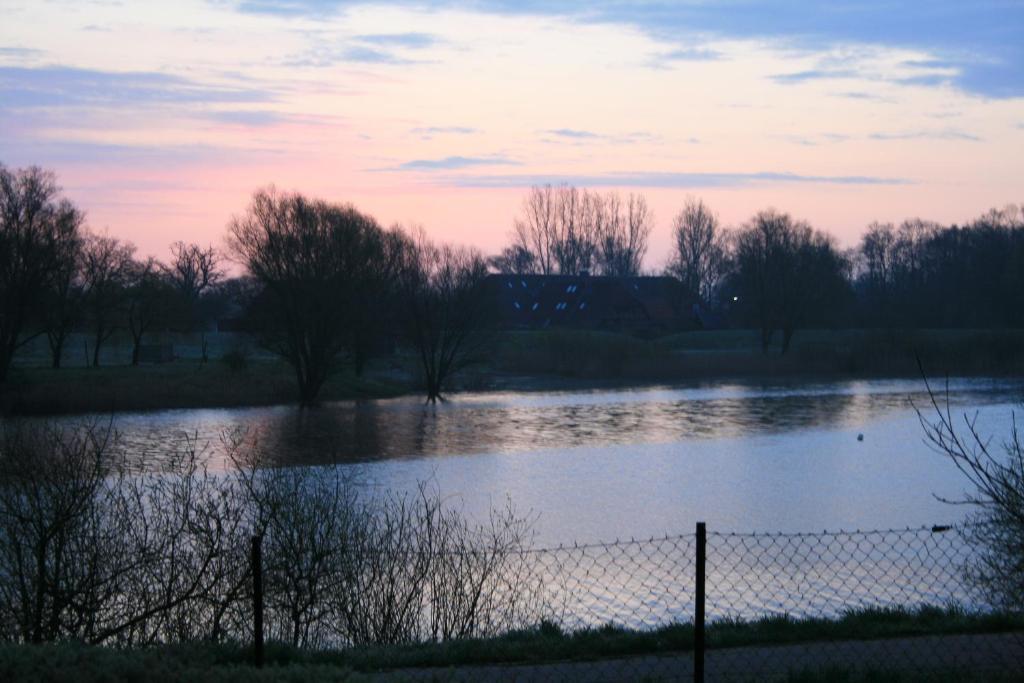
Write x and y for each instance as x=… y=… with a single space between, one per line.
x=514 y=260
x=700 y=251
x=194 y=272
x=622 y=238
x=319 y=263
x=148 y=300
x=786 y=273
x=36 y=229
x=193 y=269
x=536 y=231
x=447 y=310
x=106 y=265
x=571 y=231
x=63 y=299
x=997 y=474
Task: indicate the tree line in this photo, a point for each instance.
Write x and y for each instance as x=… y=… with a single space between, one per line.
x=57 y=276
x=326 y=286
x=776 y=273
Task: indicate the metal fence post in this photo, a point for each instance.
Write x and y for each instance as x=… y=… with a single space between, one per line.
x=257 y=600
x=698 y=608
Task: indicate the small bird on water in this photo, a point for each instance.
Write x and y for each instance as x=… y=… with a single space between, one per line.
x=860 y=437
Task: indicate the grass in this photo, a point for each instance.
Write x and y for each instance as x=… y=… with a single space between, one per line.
x=722 y=354
x=72 y=663
x=543 y=644
x=526 y=360
x=181 y=384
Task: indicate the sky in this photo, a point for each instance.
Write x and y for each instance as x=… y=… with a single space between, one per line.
x=162 y=118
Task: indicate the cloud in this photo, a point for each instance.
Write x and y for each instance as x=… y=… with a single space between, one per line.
x=979 y=41
x=20 y=52
x=252 y=118
x=664 y=180
x=444 y=130
x=815 y=140
x=663 y=60
x=412 y=41
x=577 y=136
x=71 y=151
x=814 y=75
x=370 y=55
x=926 y=80
x=861 y=95
x=377 y=48
x=691 y=55
x=72 y=87
x=453 y=163
x=927 y=135
x=574 y=134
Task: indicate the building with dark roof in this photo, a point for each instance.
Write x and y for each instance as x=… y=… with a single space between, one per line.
x=638 y=305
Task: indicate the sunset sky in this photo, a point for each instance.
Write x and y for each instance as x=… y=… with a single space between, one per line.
x=162 y=118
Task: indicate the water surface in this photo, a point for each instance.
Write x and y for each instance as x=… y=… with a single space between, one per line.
x=605 y=464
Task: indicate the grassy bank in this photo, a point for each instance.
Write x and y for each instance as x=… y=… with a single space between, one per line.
x=182 y=384
x=551 y=359
x=547 y=643
x=71 y=663
x=737 y=354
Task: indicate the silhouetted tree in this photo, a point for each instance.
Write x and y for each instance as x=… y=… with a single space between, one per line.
x=786 y=273
x=193 y=272
x=106 y=265
x=36 y=227
x=622 y=237
x=447 y=310
x=922 y=274
x=570 y=231
x=318 y=262
x=148 y=300
x=63 y=297
x=514 y=260
x=700 y=251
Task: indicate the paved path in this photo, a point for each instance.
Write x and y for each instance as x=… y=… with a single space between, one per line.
x=1001 y=654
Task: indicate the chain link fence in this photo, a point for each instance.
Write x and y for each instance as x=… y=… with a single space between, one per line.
x=893 y=604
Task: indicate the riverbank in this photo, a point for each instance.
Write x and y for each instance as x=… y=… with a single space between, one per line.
x=182 y=384
x=527 y=361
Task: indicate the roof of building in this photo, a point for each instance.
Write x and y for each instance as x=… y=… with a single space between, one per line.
x=540 y=301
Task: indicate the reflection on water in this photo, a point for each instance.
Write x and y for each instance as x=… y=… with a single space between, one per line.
x=600 y=465
x=354 y=432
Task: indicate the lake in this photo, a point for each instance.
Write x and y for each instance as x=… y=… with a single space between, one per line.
x=618 y=463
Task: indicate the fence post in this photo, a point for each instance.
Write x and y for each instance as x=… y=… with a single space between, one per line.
x=698 y=607
x=257 y=600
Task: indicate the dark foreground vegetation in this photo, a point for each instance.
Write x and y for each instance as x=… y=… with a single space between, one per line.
x=543 y=644
x=327 y=290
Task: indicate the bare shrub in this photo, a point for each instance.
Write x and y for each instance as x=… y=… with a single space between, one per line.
x=343 y=567
x=93 y=552
x=996 y=471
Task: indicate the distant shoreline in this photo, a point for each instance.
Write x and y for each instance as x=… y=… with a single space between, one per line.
x=559 y=360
